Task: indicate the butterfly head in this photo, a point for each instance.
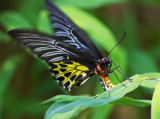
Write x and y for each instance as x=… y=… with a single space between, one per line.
x=105 y=63
x=106 y=60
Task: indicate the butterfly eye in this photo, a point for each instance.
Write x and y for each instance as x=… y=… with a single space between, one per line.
x=106 y=60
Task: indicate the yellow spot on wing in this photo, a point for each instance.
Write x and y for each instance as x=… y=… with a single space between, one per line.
x=83 y=68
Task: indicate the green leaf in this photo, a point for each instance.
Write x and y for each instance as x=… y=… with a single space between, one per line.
x=88 y=4
x=142 y=62
x=26 y=105
x=154 y=75
x=30 y=9
x=37 y=69
x=68 y=115
x=12 y=20
x=62 y=109
x=153 y=80
x=43 y=23
x=6 y=73
x=132 y=102
x=65 y=104
x=99 y=114
x=155 y=108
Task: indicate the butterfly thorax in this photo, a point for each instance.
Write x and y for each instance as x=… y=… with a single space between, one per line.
x=102 y=71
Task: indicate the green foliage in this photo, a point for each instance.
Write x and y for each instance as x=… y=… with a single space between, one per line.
x=65 y=104
x=6 y=73
x=43 y=24
x=142 y=59
x=99 y=114
x=88 y=4
x=155 y=109
x=12 y=20
x=25 y=82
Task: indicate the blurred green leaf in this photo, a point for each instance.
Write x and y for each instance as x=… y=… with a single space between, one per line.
x=43 y=23
x=88 y=4
x=37 y=68
x=24 y=105
x=6 y=74
x=142 y=62
x=66 y=103
x=4 y=37
x=155 y=109
x=12 y=20
x=30 y=9
x=130 y=25
x=148 y=2
x=99 y=114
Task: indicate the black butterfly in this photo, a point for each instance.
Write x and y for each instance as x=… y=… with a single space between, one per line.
x=70 y=53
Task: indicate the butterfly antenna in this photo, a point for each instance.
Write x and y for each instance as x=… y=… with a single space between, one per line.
x=117 y=43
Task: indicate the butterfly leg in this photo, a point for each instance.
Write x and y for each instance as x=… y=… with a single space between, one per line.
x=112 y=71
x=121 y=72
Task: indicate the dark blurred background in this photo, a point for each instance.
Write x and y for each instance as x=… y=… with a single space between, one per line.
x=25 y=80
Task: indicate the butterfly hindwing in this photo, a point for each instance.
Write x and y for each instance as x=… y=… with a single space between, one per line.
x=69 y=73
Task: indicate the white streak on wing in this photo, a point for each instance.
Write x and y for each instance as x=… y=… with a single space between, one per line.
x=60 y=26
x=67 y=51
x=35 y=44
x=56 y=19
x=35 y=37
x=84 y=81
x=53 y=53
x=37 y=41
x=68 y=37
x=62 y=33
x=67 y=32
x=75 y=44
x=56 y=59
x=43 y=49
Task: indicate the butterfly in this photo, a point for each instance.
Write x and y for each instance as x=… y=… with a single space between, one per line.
x=70 y=53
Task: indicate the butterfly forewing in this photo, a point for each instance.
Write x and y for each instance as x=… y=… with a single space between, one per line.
x=69 y=33
x=41 y=45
